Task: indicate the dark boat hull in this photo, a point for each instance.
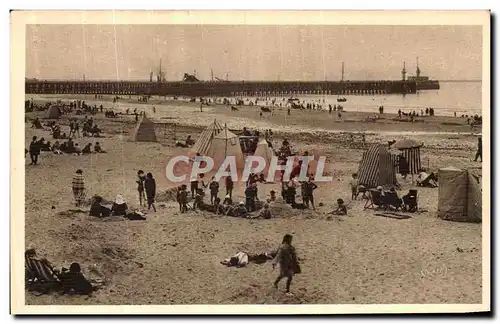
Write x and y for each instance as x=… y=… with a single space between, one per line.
x=428 y=85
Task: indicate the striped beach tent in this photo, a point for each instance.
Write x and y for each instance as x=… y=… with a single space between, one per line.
x=410 y=149
x=203 y=143
x=377 y=167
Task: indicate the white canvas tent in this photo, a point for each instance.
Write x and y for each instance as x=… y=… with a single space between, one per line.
x=460 y=196
x=226 y=143
x=263 y=150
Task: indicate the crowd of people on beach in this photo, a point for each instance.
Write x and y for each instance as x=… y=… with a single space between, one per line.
x=193 y=198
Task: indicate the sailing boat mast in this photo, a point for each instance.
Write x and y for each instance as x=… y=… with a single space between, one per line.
x=342 y=72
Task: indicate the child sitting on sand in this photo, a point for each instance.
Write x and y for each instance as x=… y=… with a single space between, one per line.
x=87 y=149
x=341 y=208
x=98 y=148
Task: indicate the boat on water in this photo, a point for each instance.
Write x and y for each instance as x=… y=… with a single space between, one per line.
x=341 y=99
x=423 y=82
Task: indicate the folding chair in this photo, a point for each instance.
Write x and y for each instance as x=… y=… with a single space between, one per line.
x=374 y=200
x=392 y=200
x=40 y=275
x=410 y=200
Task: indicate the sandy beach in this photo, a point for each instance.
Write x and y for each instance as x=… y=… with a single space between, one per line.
x=173 y=258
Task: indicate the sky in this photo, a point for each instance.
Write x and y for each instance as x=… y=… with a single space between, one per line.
x=300 y=52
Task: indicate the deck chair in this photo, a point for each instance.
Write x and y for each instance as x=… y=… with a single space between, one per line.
x=374 y=200
x=410 y=200
x=40 y=276
x=392 y=200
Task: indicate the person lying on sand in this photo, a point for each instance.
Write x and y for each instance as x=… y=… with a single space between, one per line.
x=427 y=180
x=341 y=208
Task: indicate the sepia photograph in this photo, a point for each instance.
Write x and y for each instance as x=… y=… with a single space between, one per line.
x=250 y=162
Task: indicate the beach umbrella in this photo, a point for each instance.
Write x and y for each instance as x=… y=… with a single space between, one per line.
x=406 y=144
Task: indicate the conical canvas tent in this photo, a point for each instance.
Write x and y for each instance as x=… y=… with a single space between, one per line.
x=203 y=143
x=460 y=196
x=377 y=167
x=223 y=145
x=144 y=131
x=263 y=150
x=53 y=112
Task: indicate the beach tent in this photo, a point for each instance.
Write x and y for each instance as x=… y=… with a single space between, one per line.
x=203 y=143
x=53 y=112
x=377 y=167
x=263 y=150
x=410 y=149
x=460 y=196
x=224 y=144
x=144 y=131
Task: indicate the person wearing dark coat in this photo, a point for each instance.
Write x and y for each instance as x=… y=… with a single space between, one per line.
x=150 y=187
x=404 y=167
x=479 y=152
x=34 y=150
x=287 y=259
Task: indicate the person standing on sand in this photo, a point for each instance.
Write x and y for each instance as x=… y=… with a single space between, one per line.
x=34 y=150
x=78 y=186
x=479 y=153
x=140 y=186
x=287 y=259
x=229 y=186
x=214 y=190
x=150 y=186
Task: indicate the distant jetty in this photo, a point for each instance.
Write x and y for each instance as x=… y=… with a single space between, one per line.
x=220 y=88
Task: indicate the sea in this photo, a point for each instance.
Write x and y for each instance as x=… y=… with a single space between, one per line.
x=462 y=98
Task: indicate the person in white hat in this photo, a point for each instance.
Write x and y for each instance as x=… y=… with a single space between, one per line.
x=119 y=207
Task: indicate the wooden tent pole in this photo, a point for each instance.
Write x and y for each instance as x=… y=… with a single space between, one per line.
x=225 y=147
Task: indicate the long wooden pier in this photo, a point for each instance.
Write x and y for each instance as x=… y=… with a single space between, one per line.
x=220 y=88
